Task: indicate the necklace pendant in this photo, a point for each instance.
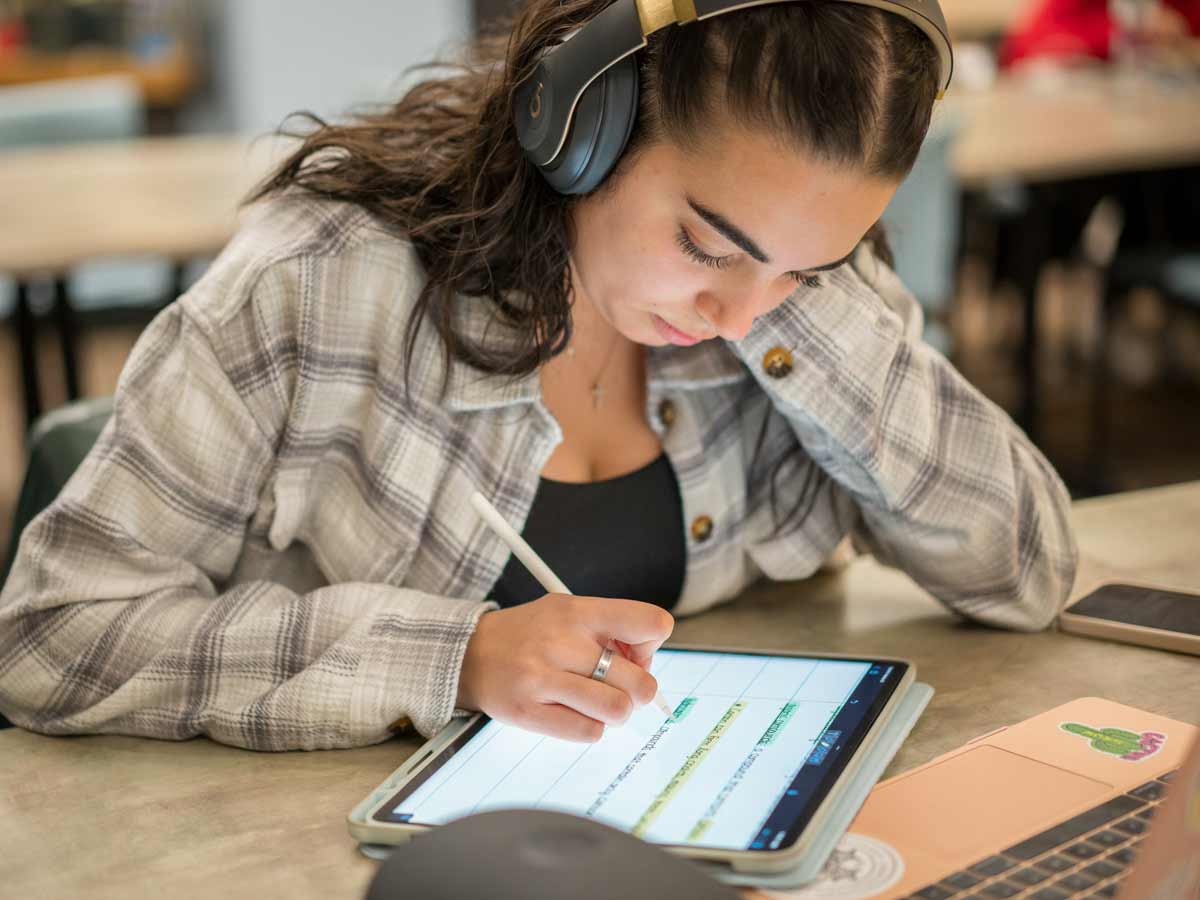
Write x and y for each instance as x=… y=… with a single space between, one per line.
x=597 y=396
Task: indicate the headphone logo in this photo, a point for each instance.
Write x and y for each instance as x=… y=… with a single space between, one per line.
x=535 y=105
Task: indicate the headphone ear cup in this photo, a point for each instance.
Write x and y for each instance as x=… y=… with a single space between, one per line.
x=600 y=129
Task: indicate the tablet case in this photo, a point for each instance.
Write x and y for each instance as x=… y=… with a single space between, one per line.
x=851 y=799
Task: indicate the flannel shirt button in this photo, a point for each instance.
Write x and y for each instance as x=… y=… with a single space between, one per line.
x=702 y=529
x=777 y=362
x=666 y=413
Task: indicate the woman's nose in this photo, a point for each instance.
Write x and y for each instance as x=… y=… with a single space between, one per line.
x=731 y=320
x=732 y=315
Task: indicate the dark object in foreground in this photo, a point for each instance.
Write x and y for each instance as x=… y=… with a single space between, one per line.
x=535 y=854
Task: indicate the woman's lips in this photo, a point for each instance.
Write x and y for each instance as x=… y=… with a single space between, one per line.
x=673 y=334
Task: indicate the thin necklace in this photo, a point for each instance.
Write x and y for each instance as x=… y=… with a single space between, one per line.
x=598 y=392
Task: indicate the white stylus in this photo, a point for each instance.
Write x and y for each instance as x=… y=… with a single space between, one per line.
x=537 y=568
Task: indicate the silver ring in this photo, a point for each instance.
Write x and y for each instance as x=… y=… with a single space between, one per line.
x=601 y=670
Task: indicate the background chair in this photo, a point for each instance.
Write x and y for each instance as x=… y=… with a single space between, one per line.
x=1173 y=273
x=58 y=443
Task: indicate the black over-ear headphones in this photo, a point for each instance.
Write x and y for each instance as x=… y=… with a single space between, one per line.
x=575 y=113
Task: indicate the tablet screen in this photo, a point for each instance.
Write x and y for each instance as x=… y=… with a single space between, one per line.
x=754 y=745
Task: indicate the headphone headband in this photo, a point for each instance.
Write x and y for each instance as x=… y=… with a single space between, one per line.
x=925 y=14
x=546 y=102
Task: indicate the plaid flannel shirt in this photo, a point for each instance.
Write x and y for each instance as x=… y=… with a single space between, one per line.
x=272 y=545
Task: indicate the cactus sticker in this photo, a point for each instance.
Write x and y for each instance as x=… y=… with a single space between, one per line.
x=1127 y=745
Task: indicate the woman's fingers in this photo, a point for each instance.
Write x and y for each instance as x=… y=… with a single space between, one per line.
x=629 y=621
x=559 y=721
x=627 y=676
x=530 y=665
x=638 y=629
x=642 y=654
x=611 y=701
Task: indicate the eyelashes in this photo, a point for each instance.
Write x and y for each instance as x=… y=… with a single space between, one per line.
x=713 y=262
x=696 y=253
x=721 y=262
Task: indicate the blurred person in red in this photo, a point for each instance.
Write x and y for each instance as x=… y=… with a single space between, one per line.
x=1073 y=29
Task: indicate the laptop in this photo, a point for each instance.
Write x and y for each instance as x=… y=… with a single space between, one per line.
x=1057 y=806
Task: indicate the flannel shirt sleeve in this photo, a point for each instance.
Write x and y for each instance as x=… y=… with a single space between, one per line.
x=947 y=487
x=113 y=619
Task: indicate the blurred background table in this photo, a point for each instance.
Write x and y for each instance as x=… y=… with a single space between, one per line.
x=174 y=197
x=1071 y=124
x=130 y=818
x=979 y=20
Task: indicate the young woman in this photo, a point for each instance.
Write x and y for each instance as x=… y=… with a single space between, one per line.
x=695 y=376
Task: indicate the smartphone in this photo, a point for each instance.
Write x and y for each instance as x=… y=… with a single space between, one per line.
x=1137 y=614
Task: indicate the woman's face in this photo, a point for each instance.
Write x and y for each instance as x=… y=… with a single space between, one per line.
x=704 y=242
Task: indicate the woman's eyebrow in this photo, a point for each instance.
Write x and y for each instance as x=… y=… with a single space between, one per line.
x=742 y=240
x=734 y=234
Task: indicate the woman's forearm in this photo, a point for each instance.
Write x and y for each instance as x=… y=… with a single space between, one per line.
x=949 y=489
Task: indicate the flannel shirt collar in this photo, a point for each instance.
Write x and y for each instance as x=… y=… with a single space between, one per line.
x=705 y=365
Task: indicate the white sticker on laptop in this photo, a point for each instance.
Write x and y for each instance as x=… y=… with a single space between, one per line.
x=859 y=866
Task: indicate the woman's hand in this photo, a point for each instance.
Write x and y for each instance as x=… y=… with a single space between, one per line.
x=531 y=665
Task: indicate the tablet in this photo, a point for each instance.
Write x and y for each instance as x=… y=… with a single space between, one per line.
x=754 y=753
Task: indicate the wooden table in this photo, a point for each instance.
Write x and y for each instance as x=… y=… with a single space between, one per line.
x=131 y=818
x=171 y=197
x=1048 y=127
x=981 y=20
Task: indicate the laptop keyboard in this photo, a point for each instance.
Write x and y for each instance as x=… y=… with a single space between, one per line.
x=1085 y=856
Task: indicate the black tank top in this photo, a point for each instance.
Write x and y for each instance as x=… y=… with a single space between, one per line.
x=621 y=537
